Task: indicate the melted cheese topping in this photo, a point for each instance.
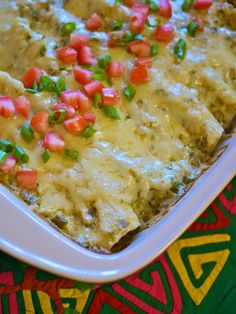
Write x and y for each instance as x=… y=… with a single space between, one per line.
x=132 y=168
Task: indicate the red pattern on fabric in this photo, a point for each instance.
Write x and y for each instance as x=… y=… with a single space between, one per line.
x=156 y=290
x=31 y=283
x=230 y=205
x=221 y=220
x=102 y=297
x=132 y=298
x=7 y=279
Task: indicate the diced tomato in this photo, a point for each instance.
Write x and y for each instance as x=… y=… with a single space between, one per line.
x=110 y=96
x=54 y=142
x=7 y=107
x=90 y=117
x=23 y=106
x=76 y=99
x=93 y=87
x=140 y=48
x=164 y=33
x=94 y=22
x=27 y=179
x=200 y=23
x=114 y=38
x=39 y=122
x=76 y=124
x=129 y=3
x=67 y=54
x=78 y=40
x=146 y=62
x=83 y=76
x=9 y=165
x=139 y=75
x=141 y=8
x=165 y=8
x=115 y=69
x=86 y=56
x=31 y=76
x=137 y=22
x=70 y=111
x=202 y=4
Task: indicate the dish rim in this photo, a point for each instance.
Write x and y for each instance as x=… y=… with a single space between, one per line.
x=94 y=267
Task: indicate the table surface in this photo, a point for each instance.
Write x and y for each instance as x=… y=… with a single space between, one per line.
x=197 y=274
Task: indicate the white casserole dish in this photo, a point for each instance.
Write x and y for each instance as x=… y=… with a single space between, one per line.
x=26 y=236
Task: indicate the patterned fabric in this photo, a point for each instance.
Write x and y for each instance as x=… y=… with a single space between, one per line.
x=197 y=274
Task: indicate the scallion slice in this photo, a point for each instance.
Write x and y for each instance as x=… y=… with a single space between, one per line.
x=129 y=92
x=154 y=49
x=47 y=84
x=71 y=154
x=3 y=156
x=104 y=61
x=20 y=154
x=99 y=74
x=118 y=25
x=89 y=131
x=57 y=116
x=27 y=132
x=46 y=156
x=60 y=86
x=6 y=146
x=192 y=28
x=68 y=28
x=97 y=99
x=112 y=112
x=187 y=5
x=180 y=49
x=127 y=36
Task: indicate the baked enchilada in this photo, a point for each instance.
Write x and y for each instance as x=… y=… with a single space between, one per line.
x=109 y=109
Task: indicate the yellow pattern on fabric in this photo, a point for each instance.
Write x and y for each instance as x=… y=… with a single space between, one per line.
x=45 y=302
x=29 y=307
x=196 y=261
x=80 y=296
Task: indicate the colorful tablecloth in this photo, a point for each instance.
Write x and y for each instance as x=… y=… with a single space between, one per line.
x=197 y=274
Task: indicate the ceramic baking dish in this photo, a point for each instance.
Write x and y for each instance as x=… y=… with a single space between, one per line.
x=26 y=236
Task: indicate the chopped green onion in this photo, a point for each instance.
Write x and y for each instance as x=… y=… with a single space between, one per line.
x=192 y=28
x=46 y=156
x=89 y=131
x=187 y=5
x=97 y=99
x=118 y=25
x=119 y=1
x=150 y=23
x=129 y=92
x=71 y=154
x=27 y=132
x=6 y=146
x=152 y=4
x=104 y=61
x=180 y=49
x=57 y=116
x=99 y=74
x=127 y=36
x=20 y=154
x=112 y=112
x=3 y=156
x=46 y=83
x=33 y=90
x=154 y=49
x=68 y=28
x=60 y=86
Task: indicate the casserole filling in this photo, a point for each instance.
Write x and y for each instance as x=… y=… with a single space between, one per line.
x=109 y=109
